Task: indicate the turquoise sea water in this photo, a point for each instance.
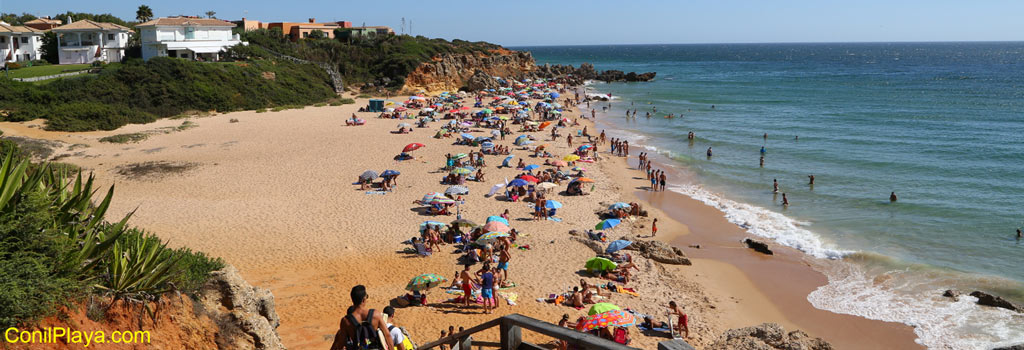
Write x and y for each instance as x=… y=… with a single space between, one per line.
x=941 y=124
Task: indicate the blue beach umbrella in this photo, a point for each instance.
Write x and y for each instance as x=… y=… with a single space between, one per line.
x=617 y=246
x=498 y=219
x=553 y=204
x=531 y=167
x=387 y=173
x=607 y=224
x=517 y=182
x=468 y=136
x=619 y=205
x=554 y=95
x=507 y=159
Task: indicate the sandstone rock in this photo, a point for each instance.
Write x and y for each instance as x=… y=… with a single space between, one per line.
x=245 y=314
x=995 y=301
x=596 y=246
x=481 y=81
x=758 y=246
x=767 y=336
x=661 y=252
x=949 y=293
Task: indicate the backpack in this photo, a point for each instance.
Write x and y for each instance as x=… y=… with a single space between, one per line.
x=366 y=335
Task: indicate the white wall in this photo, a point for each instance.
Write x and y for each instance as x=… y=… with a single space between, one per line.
x=178 y=34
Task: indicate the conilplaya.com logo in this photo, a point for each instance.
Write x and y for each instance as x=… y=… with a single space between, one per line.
x=68 y=336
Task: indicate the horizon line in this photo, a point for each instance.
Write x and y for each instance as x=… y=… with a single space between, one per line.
x=785 y=42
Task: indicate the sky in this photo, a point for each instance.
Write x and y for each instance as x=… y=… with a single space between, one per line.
x=552 y=22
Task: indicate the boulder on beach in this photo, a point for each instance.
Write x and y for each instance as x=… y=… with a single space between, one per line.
x=244 y=314
x=995 y=301
x=596 y=246
x=660 y=251
x=767 y=336
x=758 y=246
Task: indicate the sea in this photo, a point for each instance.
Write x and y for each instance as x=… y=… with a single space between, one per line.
x=939 y=124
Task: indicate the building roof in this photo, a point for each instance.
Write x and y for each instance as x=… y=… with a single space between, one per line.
x=7 y=28
x=186 y=21
x=44 y=21
x=88 y=24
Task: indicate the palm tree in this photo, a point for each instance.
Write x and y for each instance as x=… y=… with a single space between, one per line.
x=210 y=14
x=144 y=13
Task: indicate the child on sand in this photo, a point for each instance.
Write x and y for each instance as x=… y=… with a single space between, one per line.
x=682 y=325
x=654 y=227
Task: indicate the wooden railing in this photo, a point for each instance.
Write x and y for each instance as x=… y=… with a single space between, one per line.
x=511 y=328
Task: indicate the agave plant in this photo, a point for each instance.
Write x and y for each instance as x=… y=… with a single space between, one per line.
x=138 y=268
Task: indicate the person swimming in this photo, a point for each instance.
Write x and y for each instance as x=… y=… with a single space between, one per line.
x=775 y=185
x=892 y=196
x=763 y=151
x=811 y=177
x=709 y=152
x=785 y=201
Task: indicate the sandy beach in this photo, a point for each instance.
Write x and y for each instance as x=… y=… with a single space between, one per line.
x=272 y=194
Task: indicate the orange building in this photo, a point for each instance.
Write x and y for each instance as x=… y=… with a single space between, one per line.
x=301 y=30
x=249 y=25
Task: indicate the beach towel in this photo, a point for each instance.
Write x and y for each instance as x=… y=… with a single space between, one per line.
x=376 y=192
x=510 y=297
x=552 y=218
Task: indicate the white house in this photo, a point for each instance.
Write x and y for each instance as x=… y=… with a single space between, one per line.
x=19 y=43
x=86 y=41
x=187 y=37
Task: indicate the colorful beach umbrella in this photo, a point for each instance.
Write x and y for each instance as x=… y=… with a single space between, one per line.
x=412 y=147
x=431 y=223
x=496 y=226
x=600 y=264
x=442 y=200
x=601 y=308
x=571 y=158
x=618 y=245
x=460 y=156
x=517 y=182
x=578 y=168
x=618 y=205
x=584 y=179
x=584 y=147
x=490 y=236
x=614 y=318
x=430 y=196
x=493 y=218
x=462 y=171
x=607 y=224
x=544 y=125
x=425 y=281
x=389 y=172
x=530 y=178
x=507 y=159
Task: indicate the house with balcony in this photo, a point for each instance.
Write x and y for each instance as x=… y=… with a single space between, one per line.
x=19 y=43
x=87 y=41
x=193 y=38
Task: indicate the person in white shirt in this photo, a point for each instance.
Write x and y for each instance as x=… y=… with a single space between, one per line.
x=396 y=334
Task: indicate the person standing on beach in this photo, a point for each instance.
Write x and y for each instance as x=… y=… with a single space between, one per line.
x=654 y=181
x=602 y=137
x=568 y=138
x=467 y=285
x=682 y=325
x=503 y=258
x=486 y=282
x=397 y=337
x=359 y=318
x=654 y=228
x=775 y=185
x=663 y=179
x=625 y=149
x=785 y=201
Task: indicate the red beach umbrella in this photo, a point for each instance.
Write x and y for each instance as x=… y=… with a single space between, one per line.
x=412 y=147
x=530 y=178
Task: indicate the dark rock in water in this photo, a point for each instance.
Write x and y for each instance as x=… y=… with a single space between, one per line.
x=949 y=293
x=767 y=336
x=660 y=251
x=585 y=72
x=758 y=246
x=995 y=301
x=1013 y=347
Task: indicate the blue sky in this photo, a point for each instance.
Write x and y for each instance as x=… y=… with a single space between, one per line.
x=549 y=22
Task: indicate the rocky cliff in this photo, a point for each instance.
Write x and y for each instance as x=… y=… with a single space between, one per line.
x=767 y=336
x=228 y=314
x=451 y=72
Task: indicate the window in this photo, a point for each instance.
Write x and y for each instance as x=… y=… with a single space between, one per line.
x=110 y=36
x=24 y=40
x=3 y=39
x=190 y=33
x=305 y=34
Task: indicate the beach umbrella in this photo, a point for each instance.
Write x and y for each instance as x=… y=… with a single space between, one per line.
x=554 y=95
x=618 y=205
x=523 y=141
x=601 y=308
x=425 y=281
x=430 y=196
x=531 y=167
x=369 y=175
x=618 y=245
x=584 y=147
x=387 y=173
x=530 y=178
x=507 y=159
x=457 y=190
x=490 y=236
x=546 y=185
x=431 y=223
x=552 y=204
x=559 y=163
x=464 y=223
x=460 y=156
x=493 y=218
x=404 y=125
x=544 y=125
x=496 y=226
x=496 y=133
x=571 y=158
x=412 y=147
x=607 y=224
x=442 y=200
x=487 y=145
x=600 y=264
x=578 y=168
x=467 y=136
x=482 y=139
x=613 y=318
x=517 y=182
x=584 y=179
x=462 y=171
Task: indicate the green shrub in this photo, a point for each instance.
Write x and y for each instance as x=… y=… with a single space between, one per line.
x=125 y=138
x=347 y=101
x=364 y=96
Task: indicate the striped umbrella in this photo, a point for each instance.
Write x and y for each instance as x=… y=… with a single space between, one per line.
x=462 y=171
x=442 y=200
x=490 y=236
x=601 y=308
x=430 y=196
x=614 y=318
x=425 y=281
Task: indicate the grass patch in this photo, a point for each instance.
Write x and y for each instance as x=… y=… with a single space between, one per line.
x=153 y=169
x=125 y=138
x=364 y=96
x=261 y=110
x=41 y=71
x=321 y=104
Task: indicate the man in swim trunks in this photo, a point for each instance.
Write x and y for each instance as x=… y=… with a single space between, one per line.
x=503 y=259
x=683 y=324
x=662 y=180
x=486 y=282
x=467 y=285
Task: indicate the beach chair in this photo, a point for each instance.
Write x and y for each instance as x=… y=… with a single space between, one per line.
x=672 y=328
x=620 y=336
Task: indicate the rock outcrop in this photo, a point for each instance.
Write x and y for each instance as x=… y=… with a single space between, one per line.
x=481 y=81
x=661 y=252
x=592 y=244
x=950 y=293
x=758 y=246
x=585 y=72
x=244 y=314
x=767 y=336
x=995 y=301
x=452 y=72
x=1012 y=347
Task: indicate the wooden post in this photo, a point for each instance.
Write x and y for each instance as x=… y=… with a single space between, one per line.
x=511 y=334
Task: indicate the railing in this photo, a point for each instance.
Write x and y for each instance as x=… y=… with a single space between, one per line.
x=511 y=327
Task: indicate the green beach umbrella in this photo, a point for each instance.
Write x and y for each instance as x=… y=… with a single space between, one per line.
x=601 y=308
x=462 y=171
x=490 y=236
x=600 y=264
x=425 y=281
